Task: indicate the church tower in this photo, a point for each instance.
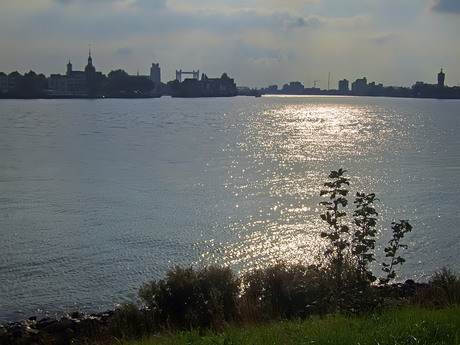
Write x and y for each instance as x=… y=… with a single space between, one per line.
x=69 y=69
x=89 y=69
x=441 y=77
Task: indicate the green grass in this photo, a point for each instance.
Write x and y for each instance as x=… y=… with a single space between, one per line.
x=411 y=325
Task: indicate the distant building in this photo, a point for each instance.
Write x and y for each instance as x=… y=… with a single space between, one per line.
x=344 y=86
x=85 y=83
x=13 y=80
x=76 y=82
x=293 y=88
x=155 y=74
x=57 y=85
x=206 y=87
x=359 y=87
x=194 y=74
x=441 y=78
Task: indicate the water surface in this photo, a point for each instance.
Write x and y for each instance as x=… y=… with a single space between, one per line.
x=99 y=196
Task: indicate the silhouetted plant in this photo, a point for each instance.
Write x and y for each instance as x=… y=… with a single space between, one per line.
x=193 y=298
x=130 y=322
x=444 y=278
x=399 y=230
x=364 y=236
x=172 y=299
x=285 y=290
x=219 y=289
x=338 y=232
x=443 y=290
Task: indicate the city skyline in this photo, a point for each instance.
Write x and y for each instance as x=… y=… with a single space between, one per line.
x=258 y=43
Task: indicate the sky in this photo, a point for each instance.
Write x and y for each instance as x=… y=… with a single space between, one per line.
x=256 y=42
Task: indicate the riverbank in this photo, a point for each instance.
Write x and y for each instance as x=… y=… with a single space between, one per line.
x=405 y=305
x=409 y=325
x=402 y=325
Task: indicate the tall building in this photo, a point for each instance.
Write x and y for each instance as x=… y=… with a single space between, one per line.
x=441 y=78
x=155 y=73
x=343 y=86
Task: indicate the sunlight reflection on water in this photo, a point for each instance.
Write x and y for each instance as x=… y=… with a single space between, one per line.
x=279 y=164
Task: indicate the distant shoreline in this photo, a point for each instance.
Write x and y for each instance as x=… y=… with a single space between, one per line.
x=278 y=94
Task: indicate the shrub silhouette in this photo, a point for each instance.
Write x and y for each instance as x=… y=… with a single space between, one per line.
x=286 y=291
x=443 y=290
x=130 y=322
x=193 y=298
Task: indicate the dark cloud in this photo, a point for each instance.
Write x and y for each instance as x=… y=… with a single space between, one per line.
x=446 y=6
x=300 y=22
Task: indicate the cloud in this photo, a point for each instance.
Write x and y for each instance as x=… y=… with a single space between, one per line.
x=301 y=22
x=284 y=4
x=386 y=37
x=253 y=52
x=150 y=4
x=124 y=52
x=70 y=2
x=136 y=4
x=445 y=6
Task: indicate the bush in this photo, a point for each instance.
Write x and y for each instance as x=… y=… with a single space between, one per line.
x=443 y=290
x=187 y=298
x=284 y=291
x=130 y=322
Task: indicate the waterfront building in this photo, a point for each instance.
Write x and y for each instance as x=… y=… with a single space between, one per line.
x=293 y=88
x=344 y=86
x=13 y=80
x=155 y=74
x=359 y=87
x=206 y=87
x=85 y=83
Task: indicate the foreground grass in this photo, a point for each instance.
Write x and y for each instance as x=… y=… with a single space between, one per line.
x=412 y=325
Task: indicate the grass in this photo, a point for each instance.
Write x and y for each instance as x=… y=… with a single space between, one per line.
x=410 y=325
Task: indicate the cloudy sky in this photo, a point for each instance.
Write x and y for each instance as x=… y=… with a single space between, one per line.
x=257 y=42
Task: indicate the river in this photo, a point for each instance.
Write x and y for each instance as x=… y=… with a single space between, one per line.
x=100 y=196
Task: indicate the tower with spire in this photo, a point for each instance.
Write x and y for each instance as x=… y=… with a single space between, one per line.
x=89 y=69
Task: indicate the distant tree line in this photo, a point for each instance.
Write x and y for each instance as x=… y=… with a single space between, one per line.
x=121 y=84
